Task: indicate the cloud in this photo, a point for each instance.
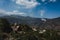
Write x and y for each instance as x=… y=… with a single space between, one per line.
x=43 y=0
x=42 y=12
x=49 y=0
x=2 y=11
x=15 y=12
x=27 y=3
x=31 y=4
x=52 y=0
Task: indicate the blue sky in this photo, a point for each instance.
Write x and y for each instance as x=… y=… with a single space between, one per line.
x=32 y=8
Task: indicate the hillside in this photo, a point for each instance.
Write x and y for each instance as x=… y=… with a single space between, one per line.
x=37 y=22
x=25 y=32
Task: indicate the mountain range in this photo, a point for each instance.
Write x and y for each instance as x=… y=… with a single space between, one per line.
x=46 y=23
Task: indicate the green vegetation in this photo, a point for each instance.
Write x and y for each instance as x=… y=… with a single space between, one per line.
x=24 y=32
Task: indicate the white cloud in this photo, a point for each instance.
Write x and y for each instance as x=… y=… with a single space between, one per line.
x=48 y=1
x=43 y=0
x=15 y=12
x=2 y=11
x=52 y=0
x=27 y=3
x=31 y=3
x=42 y=12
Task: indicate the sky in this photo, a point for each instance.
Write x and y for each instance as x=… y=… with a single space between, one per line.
x=32 y=8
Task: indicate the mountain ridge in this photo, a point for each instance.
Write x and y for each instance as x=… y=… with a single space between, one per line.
x=37 y=22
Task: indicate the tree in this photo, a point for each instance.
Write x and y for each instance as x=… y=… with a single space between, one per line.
x=5 y=26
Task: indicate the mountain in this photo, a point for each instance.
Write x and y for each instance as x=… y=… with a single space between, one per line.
x=23 y=20
x=52 y=24
x=37 y=22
